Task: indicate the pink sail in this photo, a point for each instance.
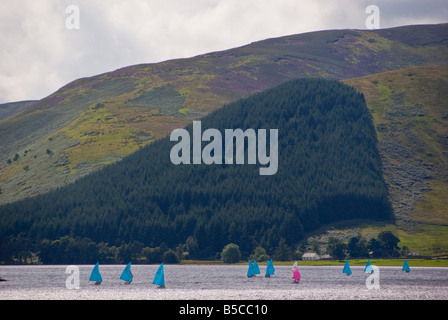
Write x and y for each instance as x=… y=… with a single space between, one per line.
x=296 y=274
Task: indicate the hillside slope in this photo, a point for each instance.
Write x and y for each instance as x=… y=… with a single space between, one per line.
x=9 y=109
x=95 y=121
x=410 y=113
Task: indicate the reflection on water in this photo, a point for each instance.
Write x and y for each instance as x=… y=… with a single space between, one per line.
x=186 y=282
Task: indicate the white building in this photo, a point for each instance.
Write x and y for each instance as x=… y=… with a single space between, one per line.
x=310 y=256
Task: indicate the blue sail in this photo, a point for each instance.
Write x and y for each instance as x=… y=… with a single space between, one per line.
x=95 y=275
x=250 y=271
x=347 y=269
x=127 y=274
x=406 y=266
x=368 y=267
x=159 y=278
x=270 y=269
x=256 y=268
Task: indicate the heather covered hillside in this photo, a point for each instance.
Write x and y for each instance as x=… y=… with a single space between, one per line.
x=410 y=113
x=96 y=121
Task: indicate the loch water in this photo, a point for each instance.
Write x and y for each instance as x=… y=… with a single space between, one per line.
x=222 y=282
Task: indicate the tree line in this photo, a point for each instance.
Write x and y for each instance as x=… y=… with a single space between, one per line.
x=66 y=250
x=384 y=246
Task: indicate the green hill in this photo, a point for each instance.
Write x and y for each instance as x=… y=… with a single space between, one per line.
x=329 y=169
x=95 y=121
x=410 y=113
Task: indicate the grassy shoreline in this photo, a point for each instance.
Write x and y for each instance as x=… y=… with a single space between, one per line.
x=418 y=262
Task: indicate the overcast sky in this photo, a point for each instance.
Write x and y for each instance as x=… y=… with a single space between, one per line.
x=39 y=53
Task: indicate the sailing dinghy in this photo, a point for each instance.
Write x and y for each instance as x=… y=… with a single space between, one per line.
x=368 y=268
x=127 y=274
x=250 y=270
x=294 y=266
x=256 y=268
x=269 y=269
x=406 y=266
x=159 y=278
x=347 y=269
x=96 y=275
x=296 y=275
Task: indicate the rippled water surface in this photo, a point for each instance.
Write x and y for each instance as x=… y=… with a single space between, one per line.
x=188 y=282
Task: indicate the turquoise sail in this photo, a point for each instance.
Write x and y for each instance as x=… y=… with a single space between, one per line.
x=406 y=266
x=127 y=274
x=347 y=269
x=159 y=278
x=270 y=269
x=268 y=272
x=96 y=275
x=256 y=268
x=250 y=270
x=368 y=267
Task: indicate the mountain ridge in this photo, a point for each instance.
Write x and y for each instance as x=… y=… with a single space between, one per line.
x=93 y=121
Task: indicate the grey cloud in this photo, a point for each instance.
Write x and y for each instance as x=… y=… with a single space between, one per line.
x=39 y=55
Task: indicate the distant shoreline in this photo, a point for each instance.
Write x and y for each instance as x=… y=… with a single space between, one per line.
x=415 y=262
